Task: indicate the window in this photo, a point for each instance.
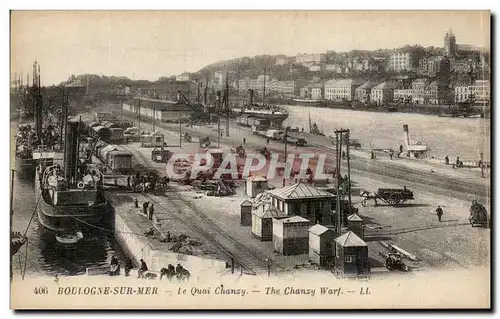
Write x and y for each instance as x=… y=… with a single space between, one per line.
x=349 y=258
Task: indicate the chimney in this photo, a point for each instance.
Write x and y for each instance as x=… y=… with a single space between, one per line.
x=406 y=137
x=71 y=154
x=250 y=96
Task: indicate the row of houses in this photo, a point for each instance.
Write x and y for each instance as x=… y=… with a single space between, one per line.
x=420 y=91
x=283 y=89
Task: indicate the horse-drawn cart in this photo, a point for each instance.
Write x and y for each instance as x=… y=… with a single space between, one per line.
x=391 y=196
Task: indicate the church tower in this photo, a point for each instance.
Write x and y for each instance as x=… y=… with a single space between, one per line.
x=450 y=44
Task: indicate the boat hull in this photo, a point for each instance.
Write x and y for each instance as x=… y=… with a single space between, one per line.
x=26 y=167
x=68 y=218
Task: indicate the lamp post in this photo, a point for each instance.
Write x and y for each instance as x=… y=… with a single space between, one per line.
x=286 y=144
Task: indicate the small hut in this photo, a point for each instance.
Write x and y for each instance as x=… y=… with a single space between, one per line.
x=262 y=221
x=355 y=224
x=246 y=213
x=351 y=255
x=255 y=185
x=290 y=236
x=320 y=245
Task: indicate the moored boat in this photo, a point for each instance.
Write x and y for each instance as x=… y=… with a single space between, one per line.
x=70 y=199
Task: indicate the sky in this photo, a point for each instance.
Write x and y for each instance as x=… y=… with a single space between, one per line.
x=150 y=44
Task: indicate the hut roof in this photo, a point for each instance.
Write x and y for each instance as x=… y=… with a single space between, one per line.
x=355 y=217
x=294 y=219
x=257 y=178
x=246 y=202
x=318 y=229
x=269 y=211
x=350 y=239
x=299 y=191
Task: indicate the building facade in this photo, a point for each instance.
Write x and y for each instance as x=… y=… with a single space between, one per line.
x=419 y=91
x=405 y=59
x=341 y=89
x=482 y=92
x=384 y=92
x=363 y=92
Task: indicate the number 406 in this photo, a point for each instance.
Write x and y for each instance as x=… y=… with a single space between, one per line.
x=41 y=290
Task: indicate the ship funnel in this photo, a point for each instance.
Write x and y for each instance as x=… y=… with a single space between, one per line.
x=406 y=136
x=71 y=151
x=250 y=96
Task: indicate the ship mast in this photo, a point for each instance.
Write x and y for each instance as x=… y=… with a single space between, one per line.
x=226 y=98
x=264 y=91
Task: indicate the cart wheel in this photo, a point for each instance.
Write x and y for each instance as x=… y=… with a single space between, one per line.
x=395 y=199
x=363 y=203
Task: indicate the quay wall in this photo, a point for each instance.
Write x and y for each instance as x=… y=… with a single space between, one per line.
x=138 y=247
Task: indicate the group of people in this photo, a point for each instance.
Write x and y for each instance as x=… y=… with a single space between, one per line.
x=147 y=182
x=458 y=163
x=147 y=209
x=27 y=139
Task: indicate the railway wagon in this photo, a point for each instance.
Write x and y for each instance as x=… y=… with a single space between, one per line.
x=116 y=135
x=100 y=132
x=116 y=158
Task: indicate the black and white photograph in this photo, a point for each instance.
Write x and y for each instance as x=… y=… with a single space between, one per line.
x=250 y=159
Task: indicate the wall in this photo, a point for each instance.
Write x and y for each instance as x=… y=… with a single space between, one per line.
x=138 y=247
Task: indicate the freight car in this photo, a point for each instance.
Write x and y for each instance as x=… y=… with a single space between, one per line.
x=116 y=158
x=116 y=135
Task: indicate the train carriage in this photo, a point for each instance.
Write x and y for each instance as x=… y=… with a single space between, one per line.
x=116 y=135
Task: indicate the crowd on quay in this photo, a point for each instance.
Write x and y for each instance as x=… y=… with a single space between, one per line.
x=170 y=272
x=27 y=140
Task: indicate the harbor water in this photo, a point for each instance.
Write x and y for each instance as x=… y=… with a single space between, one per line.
x=45 y=256
x=464 y=137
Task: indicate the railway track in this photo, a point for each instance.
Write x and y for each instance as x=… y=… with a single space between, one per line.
x=187 y=213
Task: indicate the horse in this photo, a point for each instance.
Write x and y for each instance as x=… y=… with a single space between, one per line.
x=182 y=274
x=169 y=272
x=366 y=195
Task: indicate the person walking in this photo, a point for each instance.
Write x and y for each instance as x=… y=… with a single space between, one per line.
x=128 y=181
x=244 y=140
x=439 y=212
x=136 y=202
x=151 y=212
x=145 y=208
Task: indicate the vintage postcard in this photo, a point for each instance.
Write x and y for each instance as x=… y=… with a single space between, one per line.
x=250 y=159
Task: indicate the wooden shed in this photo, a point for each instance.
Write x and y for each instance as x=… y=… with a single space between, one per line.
x=304 y=200
x=246 y=213
x=262 y=221
x=355 y=224
x=290 y=235
x=351 y=255
x=320 y=245
x=255 y=185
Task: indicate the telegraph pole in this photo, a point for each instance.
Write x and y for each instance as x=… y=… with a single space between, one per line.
x=180 y=133
x=227 y=104
x=154 y=115
x=337 y=172
x=218 y=130
x=339 y=136
x=139 y=115
x=348 y=133
x=286 y=155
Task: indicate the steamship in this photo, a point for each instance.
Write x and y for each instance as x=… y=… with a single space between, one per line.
x=259 y=114
x=67 y=203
